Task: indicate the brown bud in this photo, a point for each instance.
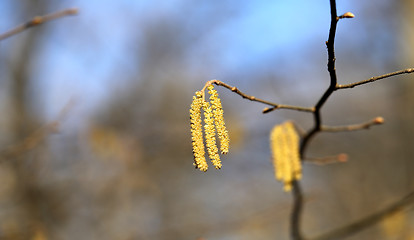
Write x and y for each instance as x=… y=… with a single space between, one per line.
x=347 y=15
x=379 y=120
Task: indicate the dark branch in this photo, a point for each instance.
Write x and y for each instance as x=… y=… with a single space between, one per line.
x=37 y=21
x=369 y=220
x=296 y=211
x=297 y=194
x=333 y=79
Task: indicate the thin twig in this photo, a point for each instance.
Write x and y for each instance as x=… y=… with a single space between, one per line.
x=252 y=98
x=340 y=158
x=369 y=220
x=37 y=21
x=373 y=79
x=354 y=127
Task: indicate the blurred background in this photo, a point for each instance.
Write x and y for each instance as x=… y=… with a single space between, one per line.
x=119 y=78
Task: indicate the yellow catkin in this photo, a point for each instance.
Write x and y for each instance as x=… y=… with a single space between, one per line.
x=210 y=133
x=197 y=132
x=284 y=144
x=222 y=132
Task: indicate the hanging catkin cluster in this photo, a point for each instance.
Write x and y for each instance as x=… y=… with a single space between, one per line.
x=213 y=124
x=284 y=144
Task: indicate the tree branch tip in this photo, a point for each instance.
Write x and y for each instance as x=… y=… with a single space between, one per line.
x=346 y=15
x=73 y=11
x=268 y=109
x=342 y=157
x=379 y=120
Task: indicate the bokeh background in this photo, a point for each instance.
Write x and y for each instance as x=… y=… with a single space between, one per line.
x=119 y=79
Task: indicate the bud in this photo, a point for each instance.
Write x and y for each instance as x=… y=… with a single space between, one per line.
x=347 y=15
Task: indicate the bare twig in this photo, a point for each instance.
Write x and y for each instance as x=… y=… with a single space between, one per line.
x=373 y=79
x=37 y=21
x=340 y=158
x=369 y=220
x=252 y=98
x=354 y=127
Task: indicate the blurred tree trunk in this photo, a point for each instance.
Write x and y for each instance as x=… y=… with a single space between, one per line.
x=405 y=88
x=24 y=121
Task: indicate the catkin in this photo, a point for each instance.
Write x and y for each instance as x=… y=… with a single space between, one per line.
x=214 y=127
x=197 y=132
x=284 y=143
x=210 y=132
x=222 y=132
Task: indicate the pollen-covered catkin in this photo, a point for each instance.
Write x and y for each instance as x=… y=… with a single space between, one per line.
x=214 y=128
x=284 y=143
x=197 y=132
x=210 y=133
x=222 y=132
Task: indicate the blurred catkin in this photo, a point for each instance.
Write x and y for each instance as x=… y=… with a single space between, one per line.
x=284 y=144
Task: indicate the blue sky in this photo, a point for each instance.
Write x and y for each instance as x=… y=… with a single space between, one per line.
x=80 y=57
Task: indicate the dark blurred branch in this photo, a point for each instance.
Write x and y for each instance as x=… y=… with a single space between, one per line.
x=295 y=223
x=369 y=220
x=37 y=21
x=373 y=79
x=354 y=127
x=252 y=98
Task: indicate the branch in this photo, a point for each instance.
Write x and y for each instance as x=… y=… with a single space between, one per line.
x=369 y=220
x=373 y=79
x=252 y=98
x=298 y=200
x=354 y=127
x=340 y=158
x=37 y=21
x=296 y=211
x=333 y=79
